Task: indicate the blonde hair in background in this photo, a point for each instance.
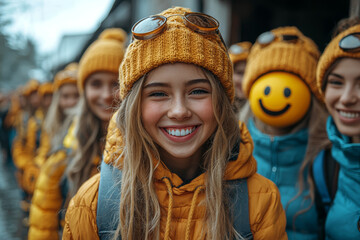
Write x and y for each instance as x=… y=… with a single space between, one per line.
x=139 y=206
x=88 y=133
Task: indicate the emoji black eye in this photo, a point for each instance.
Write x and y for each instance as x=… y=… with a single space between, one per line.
x=287 y=92
x=267 y=90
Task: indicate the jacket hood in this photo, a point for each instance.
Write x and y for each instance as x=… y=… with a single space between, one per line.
x=242 y=165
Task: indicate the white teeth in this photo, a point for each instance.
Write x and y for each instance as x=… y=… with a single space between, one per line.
x=180 y=132
x=349 y=114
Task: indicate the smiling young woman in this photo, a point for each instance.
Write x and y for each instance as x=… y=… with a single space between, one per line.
x=175 y=147
x=338 y=79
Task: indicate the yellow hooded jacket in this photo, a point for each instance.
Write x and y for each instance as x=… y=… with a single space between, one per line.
x=48 y=199
x=267 y=217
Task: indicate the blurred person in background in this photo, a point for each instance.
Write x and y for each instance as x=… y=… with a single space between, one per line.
x=337 y=170
x=288 y=121
x=80 y=153
x=27 y=137
x=238 y=55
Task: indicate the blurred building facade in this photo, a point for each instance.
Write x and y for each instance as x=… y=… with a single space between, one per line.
x=240 y=20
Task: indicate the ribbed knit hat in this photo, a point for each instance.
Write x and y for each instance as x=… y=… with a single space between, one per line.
x=31 y=86
x=46 y=88
x=331 y=53
x=239 y=51
x=68 y=75
x=105 y=54
x=177 y=43
x=298 y=57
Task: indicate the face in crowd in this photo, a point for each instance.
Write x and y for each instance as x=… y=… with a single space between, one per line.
x=101 y=91
x=342 y=96
x=69 y=96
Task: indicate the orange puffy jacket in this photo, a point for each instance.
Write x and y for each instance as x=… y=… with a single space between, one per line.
x=267 y=217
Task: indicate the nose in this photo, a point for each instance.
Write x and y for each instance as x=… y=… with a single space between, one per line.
x=349 y=96
x=179 y=109
x=107 y=93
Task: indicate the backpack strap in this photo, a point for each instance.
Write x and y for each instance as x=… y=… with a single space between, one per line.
x=320 y=180
x=239 y=199
x=107 y=213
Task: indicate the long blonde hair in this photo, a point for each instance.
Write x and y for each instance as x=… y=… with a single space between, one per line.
x=139 y=206
x=88 y=133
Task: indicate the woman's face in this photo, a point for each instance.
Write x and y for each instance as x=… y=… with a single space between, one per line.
x=101 y=92
x=342 y=96
x=239 y=70
x=69 y=96
x=177 y=110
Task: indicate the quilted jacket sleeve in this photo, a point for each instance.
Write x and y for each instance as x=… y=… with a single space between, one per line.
x=47 y=200
x=80 y=220
x=267 y=216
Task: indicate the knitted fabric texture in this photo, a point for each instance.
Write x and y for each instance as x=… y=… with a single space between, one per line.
x=46 y=88
x=105 y=54
x=177 y=43
x=66 y=76
x=298 y=57
x=331 y=53
x=242 y=56
x=31 y=86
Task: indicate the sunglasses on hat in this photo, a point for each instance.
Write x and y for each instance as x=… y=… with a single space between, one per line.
x=268 y=37
x=350 y=43
x=151 y=27
x=236 y=49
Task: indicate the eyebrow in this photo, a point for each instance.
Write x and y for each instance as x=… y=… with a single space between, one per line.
x=189 y=83
x=336 y=75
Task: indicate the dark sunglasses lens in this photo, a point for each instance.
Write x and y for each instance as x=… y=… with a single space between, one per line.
x=290 y=38
x=236 y=49
x=202 y=20
x=148 y=24
x=266 y=38
x=350 y=42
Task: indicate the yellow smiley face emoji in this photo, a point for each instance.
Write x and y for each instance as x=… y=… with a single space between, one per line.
x=279 y=99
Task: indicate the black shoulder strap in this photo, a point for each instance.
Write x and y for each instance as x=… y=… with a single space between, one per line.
x=325 y=174
x=239 y=205
x=109 y=194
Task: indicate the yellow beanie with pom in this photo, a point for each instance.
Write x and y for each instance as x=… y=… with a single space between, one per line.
x=66 y=76
x=46 y=88
x=239 y=51
x=30 y=87
x=177 y=43
x=298 y=57
x=104 y=54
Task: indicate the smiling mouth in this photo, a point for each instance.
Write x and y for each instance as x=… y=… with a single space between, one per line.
x=180 y=132
x=273 y=113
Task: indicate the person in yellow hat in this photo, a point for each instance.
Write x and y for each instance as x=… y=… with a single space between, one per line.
x=27 y=138
x=175 y=146
x=77 y=157
x=239 y=53
x=288 y=121
x=338 y=80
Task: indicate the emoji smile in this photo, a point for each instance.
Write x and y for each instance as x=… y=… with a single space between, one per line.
x=273 y=113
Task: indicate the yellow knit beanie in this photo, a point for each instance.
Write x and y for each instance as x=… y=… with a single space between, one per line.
x=239 y=51
x=105 y=54
x=46 y=88
x=298 y=57
x=68 y=75
x=331 y=53
x=177 y=43
x=31 y=86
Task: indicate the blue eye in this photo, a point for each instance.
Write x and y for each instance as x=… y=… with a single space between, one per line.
x=267 y=91
x=199 y=91
x=157 y=94
x=287 y=92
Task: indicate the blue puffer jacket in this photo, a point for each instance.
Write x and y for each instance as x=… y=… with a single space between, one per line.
x=343 y=218
x=279 y=159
